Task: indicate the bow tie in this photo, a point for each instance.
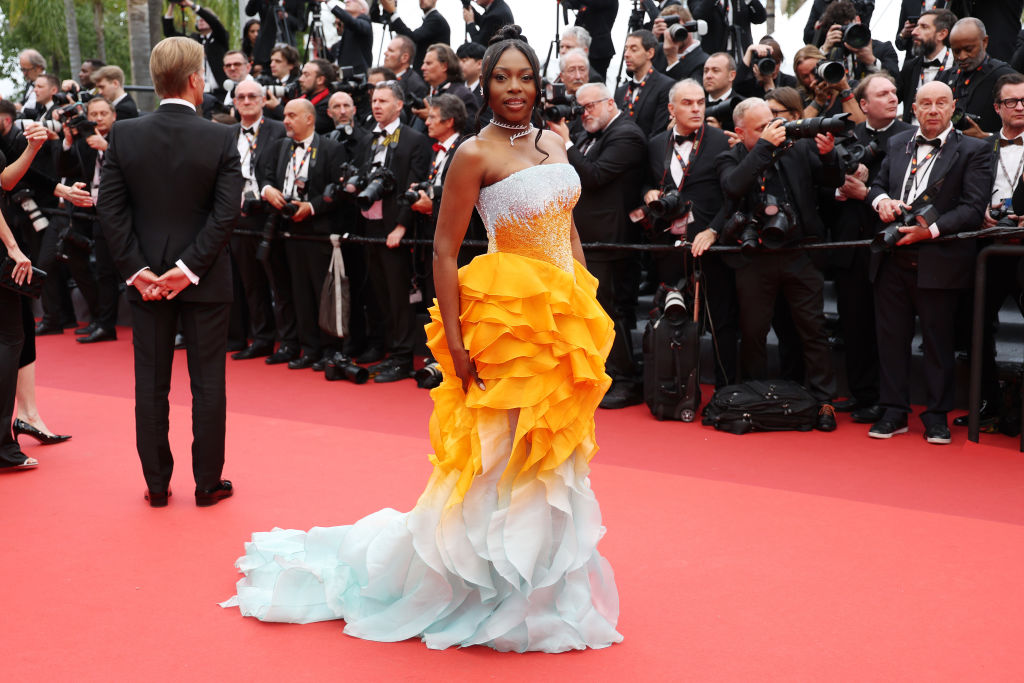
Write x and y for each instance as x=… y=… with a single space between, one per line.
x=680 y=139
x=379 y=134
x=249 y=131
x=635 y=84
x=922 y=140
x=711 y=103
x=935 y=62
x=438 y=147
x=298 y=145
x=1016 y=141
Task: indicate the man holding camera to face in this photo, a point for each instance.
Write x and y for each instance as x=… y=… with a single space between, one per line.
x=768 y=180
x=680 y=44
x=760 y=70
x=211 y=34
x=849 y=42
x=823 y=85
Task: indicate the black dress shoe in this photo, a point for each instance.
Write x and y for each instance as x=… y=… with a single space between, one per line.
x=393 y=373
x=283 y=355
x=320 y=364
x=846 y=405
x=886 y=428
x=43 y=329
x=254 y=350
x=302 y=363
x=938 y=434
x=826 y=418
x=621 y=395
x=100 y=334
x=868 y=414
x=88 y=329
x=370 y=355
x=206 y=498
x=987 y=415
x=179 y=341
x=22 y=427
x=158 y=499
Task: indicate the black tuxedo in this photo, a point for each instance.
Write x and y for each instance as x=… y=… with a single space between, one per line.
x=720 y=29
x=126 y=108
x=598 y=17
x=926 y=278
x=650 y=111
x=434 y=29
x=355 y=48
x=153 y=217
x=976 y=97
x=1017 y=60
x=690 y=66
x=294 y=19
x=1001 y=19
x=485 y=25
x=215 y=45
x=907 y=83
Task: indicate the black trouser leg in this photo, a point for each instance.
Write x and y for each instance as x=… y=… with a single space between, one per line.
x=255 y=288
x=894 y=327
x=205 y=326
x=757 y=286
x=154 y=325
x=390 y=272
x=721 y=311
x=803 y=286
x=856 y=305
x=107 y=282
x=279 y=275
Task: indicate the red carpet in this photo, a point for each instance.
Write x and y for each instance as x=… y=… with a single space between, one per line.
x=804 y=557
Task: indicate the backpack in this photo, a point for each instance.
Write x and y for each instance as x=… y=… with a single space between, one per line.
x=762 y=406
x=671 y=348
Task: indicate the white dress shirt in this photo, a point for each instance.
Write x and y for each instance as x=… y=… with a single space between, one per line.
x=380 y=153
x=919 y=183
x=1008 y=170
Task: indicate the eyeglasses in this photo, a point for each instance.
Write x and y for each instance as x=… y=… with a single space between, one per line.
x=589 y=106
x=1012 y=102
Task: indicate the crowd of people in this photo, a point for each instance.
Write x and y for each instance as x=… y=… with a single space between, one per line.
x=700 y=143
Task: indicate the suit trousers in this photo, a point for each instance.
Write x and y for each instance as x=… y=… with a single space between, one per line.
x=12 y=337
x=205 y=327
x=721 y=313
x=280 y=278
x=56 y=296
x=308 y=262
x=612 y=277
x=856 y=304
x=390 y=275
x=758 y=283
x=108 y=280
x=1002 y=280
x=897 y=299
x=255 y=284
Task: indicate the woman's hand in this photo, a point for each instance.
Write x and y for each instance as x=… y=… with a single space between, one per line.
x=465 y=370
x=22 y=272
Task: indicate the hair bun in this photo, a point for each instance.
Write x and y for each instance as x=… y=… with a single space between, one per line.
x=508 y=32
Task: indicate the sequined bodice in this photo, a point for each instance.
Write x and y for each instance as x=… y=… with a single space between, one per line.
x=529 y=213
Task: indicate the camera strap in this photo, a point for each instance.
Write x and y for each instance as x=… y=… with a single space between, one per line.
x=912 y=179
x=670 y=150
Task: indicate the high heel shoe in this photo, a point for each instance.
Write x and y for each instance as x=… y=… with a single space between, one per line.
x=22 y=427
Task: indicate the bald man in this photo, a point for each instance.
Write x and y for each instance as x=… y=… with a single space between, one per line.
x=297 y=172
x=937 y=165
x=973 y=77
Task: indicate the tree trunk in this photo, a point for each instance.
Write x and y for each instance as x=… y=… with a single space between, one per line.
x=156 y=27
x=97 y=25
x=138 y=40
x=769 y=8
x=74 y=47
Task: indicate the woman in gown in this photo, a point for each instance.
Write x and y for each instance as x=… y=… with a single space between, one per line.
x=501 y=548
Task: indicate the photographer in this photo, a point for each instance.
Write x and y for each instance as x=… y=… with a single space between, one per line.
x=434 y=28
x=32 y=66
x=482 y=27
x=940 y=168
x=355 y=49
x=280 y=23
x=929 y=56
x=315 y=79
x=644 y=96
x=45 y=88
x=211 y=34
x=728 y=24
x=681 y=161
x=849 y=42
x=597 y=17
x=769 y=179
x=682 y=58
x=236 y=68
x=403 y=157
x=760 y=71
x=296 y=172
x=85 y=74
x=719 y=75
x=609 y=158
x=109 y=81
x=284 y=71
x=815 y=29
x=822 y=97
x=441 y=71
x=578 y=38
x=80 y=160
x=573 y=69
x=973 y=80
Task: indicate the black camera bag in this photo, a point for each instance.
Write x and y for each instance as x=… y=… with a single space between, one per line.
x=762 y=406
x=671 y=347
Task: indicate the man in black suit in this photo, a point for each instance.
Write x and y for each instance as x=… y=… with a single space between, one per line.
x=683 y=160
x=46 y=87
x=109 y=82
x=973 y=81
x=578 y=38
x=211 y=34
x=719 y=76
x=728 y=23
x=315 y=79
x=290 y=18
x=434 y=28
x=940 y=166
x=750 y=82
x=355 y=49
x=681 y=59
x=1002 y=17
x=815 y=29
x=913 y=8
x=644 y=96
x=442 y=72
x=407 y=154
x=609 y=158
x=762 y=178
x=177 y=227
x=471 y=57
x=482 y=26
x=296 y=171
x=597 y=17
x=399 y=56
x=873 y=57
x=929 y=56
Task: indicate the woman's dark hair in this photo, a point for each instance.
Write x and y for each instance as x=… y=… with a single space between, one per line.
x=511 y=36
x=247 y=46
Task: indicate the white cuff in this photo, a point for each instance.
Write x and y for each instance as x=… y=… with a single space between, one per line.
x=568 y=145
x=131 y=281
x=934 y=230
x=877 y=200
x=192 y=277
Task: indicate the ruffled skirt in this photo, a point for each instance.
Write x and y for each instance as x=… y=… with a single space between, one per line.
x=501 y=548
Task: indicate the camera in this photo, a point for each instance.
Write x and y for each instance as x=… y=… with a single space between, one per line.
x=1001 y=215
x=341 y=367
x=412 y=195
x=888 y=237
x=670 y=206
x=775 y=221
x=808 y=128
x=914 y=18
x=349 y=82
x=558 y=104
x=274 y=216
x=679 y=31
x=722 y=112
x=851 y=154
x=331 y=192
x=856 y=36
x=380 y=182
x=429 y=376
x=285 y=93
x=740 y=228
x=766 y=65
x=69 y=237
x=73 y=116
x=26 y=199
x=831 y=72
x=961 y=120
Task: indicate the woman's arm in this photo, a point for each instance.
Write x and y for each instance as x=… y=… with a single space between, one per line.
x=36 y=136
x=577 y=247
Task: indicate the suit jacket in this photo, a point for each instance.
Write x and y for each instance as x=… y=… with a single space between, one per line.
x=270 y=132
x=690 y=66
x=980 y=92
x=719 y=29
x=353 y=144
x=324 y=168
x=813 y=36
x=434 y=29
x=751 y=87
x=485 y=25
x=650 y=111
x=126 y=108
x=170 y=190
x=78 y=164
x=1017 y=60
x=966 y=165
x=885 y=53
x=1001 y=19
x=598 y=17
x=611 y=174
x=409 y=160
x=701 y=187
x=215 y=45
x=355 y=48
x=267 y=38
x=993 y=146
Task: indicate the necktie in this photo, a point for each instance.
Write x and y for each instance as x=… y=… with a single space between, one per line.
x=680 y=139
x=922 y=140
x=438 y=147
x=1015 y=141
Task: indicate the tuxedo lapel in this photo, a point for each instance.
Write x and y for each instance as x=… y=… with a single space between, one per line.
x=282 y=160
x=946 y=157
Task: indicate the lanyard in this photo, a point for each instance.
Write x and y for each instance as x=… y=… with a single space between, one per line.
x=251 y=139
x=296 y=168
x=913 y=179
x=632 y=97
x=685 y=166
x=436 y=166
x=942 y=67
x=961 y=88
x=1011 y=179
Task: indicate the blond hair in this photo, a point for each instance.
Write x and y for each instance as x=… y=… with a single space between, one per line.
x=108 y=73
x=171 y=63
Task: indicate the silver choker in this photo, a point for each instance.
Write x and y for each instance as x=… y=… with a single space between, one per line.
x=524 y=129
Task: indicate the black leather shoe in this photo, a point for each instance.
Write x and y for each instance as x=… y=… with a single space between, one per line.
x=88 y=329
x=938 y=434
x=986 y=416
x=886 y=428
x=621 y=395
x=393 y=373
x=179 y=341
x=22 y=427
x=205 y=499
x=826 y=418
x=43 y=329
x=302 y=363
x=254 y=350
x=868 y=414
x=283 y=355
x=157 y=499
x=320 y=364
x=100 y=334
x=846 y=405
x=370 y=355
